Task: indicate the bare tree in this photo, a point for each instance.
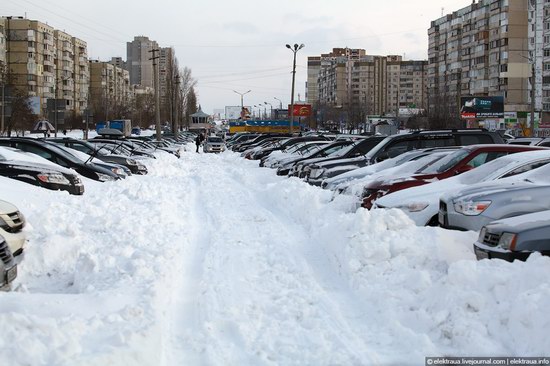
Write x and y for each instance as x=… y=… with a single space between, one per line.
x=190 y=105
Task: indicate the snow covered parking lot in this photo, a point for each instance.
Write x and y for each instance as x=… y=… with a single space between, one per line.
x=211 y=260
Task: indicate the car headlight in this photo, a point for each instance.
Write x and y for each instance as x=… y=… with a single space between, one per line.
x=316 y=173
x=131 y=162
x=414 y=206
x=471 y=208
x=482 y=233
x=105 y=177
x=507 y=241
x=118 y=171
x=56 y=178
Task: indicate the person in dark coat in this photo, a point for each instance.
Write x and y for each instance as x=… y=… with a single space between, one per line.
x=198 y=141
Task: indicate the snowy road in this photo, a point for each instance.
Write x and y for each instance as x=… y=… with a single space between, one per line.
x=210 y=260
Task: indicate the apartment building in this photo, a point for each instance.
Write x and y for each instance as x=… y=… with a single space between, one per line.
x=350 y=79
x=109 y=89
x=485 y=49
x=138 y=60
x=47 y=64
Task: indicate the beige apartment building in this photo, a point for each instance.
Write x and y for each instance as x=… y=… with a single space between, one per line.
x=110 y=89
x=47 y=64
x=482 y=50
x=349 y=79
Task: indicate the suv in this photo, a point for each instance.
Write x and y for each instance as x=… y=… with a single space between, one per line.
x=8 y=268
x=213 y=144
x=11 y=227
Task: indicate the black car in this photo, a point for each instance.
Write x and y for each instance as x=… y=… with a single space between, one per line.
x=42 y=175
x=133 y=150
x=95 y=150
x=57 y=155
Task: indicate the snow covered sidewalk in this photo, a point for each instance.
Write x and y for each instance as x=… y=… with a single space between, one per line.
x=210 y=260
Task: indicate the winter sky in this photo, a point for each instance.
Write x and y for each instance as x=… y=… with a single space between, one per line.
x=240 y=44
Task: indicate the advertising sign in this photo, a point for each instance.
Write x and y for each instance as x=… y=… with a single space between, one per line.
x=301 y=110
x=234 y=112
x=481 y=107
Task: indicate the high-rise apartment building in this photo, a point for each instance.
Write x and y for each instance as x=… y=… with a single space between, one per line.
x=349 y=79
x=484 y=50
x=138 y=60
x=47 y=64
x=109 y=89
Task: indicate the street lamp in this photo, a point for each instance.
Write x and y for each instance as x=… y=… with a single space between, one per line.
x=271 y=109
x=242 y=104
x=294 y=49
x=280 y=103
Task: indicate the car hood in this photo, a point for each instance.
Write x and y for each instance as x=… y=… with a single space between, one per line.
x=341 y=161
x=6 y=207
x=38 y=166
x=485 y=189
x=521 y=223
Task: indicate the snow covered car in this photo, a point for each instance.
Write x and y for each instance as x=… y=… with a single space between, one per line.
x=460 y=161
x=475 y=206
x=8 y=267
x=213 y=144
x=421 y=204
x=32 y=169
x=12 y=223
x=515 y=238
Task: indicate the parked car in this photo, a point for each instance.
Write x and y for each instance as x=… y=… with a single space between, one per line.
x=354 y=153
x=213 y=144
x=395 y=145
x=32 y=169
x=299 y=149
x=8 y=267
x=57 y=155
x=401 y=167
x=325 y=151
x=120 y=170
x=475 y=206
x=284 y=144
x=460 y=161
x=533 y=141
x=515 y=238
x=421 y=203
x=122 y=147
x=133 y=164
x=12 y=223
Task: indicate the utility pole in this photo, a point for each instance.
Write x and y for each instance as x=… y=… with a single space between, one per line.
x=532 y=122
x=175 y=125
x=157 y=94
x=294 y=49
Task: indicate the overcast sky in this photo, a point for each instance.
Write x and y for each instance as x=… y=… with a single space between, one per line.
x=240 y=44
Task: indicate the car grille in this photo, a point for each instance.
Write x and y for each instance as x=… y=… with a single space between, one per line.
x=491 y=239
x=14 y=222
x=5 y=254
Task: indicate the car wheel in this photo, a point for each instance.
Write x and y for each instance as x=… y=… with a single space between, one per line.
x=434 y=221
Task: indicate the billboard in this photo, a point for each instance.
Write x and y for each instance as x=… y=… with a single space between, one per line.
x=481 y=107
x=301 y=110
x=234 y=112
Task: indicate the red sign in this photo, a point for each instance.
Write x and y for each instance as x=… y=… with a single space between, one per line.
x=301 y=110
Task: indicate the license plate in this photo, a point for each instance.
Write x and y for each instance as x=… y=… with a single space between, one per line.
x=11 y=274
x=481 y=254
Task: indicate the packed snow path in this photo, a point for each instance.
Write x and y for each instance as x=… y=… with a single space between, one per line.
x=211 y=260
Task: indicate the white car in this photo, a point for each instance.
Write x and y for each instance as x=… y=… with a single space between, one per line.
x=12 y=222
x=421 y=203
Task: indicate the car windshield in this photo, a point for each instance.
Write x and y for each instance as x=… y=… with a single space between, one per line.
x=215 y=139
x=486 y=171
x=445 y=163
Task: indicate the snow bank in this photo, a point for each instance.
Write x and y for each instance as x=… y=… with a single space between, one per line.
x=210 y=259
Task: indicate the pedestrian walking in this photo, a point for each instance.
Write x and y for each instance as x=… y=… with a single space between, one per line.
x=198 y=141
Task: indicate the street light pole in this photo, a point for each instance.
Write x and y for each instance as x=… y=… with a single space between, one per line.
x=242 y=100
x=294 y=49
x=271 y=109
x=280 y=103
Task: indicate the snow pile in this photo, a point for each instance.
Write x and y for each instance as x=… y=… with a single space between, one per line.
x=210 y=259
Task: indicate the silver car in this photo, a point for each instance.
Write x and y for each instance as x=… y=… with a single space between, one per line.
x=213 y=144
x=515 y=238
x=8 y=268
x=473 y=207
